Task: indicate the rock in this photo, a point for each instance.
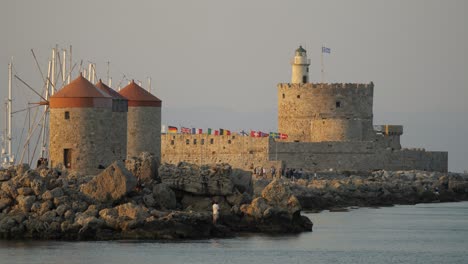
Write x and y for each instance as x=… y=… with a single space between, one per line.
x=61 y=209
x=279 y=195
x=49 y=195
x=48 y=216
x=110 y=185
x=258 y=185
x=5 y=202
x=25 y=202
x=25 y=191
x=4 y=175
x=20 y=169
x=45 y=207
x=143 y=167
x=132 y=211
x=242 y=180
x=256 y=208
x=239 y=198
x=199 y=180
x=9 y=189
x=149 y=200
x=38 y=186
x=197 y=203
x=164 y=197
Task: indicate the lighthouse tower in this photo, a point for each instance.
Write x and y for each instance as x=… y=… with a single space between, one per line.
x=300 y=66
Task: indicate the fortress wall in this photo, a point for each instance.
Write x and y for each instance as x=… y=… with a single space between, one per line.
x=240 y=151
x=355 y=156
x=86 y=133
x=299 y=104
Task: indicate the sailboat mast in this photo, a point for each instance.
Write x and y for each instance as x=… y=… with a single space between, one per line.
x=10 y=78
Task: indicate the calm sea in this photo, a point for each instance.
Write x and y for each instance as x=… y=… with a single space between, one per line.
x=424 y=233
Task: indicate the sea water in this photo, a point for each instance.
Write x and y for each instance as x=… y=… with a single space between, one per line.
x=423 y=233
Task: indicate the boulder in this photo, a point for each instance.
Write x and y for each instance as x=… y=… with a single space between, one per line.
x=132 y=211
x=50 y=195
x=199 y=180
x=258 y=184
x=256 y=208
x=279 y=195
x=143 y=167
x=25 y=202
x=242 y=180
x=164 y=197
x=111 y=184
x=5 y=202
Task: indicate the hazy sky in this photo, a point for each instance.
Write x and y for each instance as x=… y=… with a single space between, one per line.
x=216 y=63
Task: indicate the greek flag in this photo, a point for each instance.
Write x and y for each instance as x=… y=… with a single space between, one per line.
x=326 y=50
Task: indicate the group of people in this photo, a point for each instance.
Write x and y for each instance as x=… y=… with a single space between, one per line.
x=261 y=171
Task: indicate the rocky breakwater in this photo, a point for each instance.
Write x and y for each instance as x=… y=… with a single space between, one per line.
x=196 y=187
x=175 y=203
x=380 y=188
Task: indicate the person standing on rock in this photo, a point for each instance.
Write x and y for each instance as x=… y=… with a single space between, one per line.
x=215 y=212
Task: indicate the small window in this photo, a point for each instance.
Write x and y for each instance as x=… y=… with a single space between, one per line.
x=172 y=142
x=67 y=115
x=187 y=142
x=307 y=69
x=338 y=104
x=194 y=141
x=211 y=141
x=233 y=137
x=298 y=96
x=304 y=79
x=284 y=96
x=202 y=141
x=229 y=141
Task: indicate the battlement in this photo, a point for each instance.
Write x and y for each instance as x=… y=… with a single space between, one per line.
x=326 y=85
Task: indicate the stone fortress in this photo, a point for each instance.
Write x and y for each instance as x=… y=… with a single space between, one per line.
x=92 y=125
x=329 y=127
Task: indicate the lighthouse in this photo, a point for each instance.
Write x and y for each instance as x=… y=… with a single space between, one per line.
x=300 y=66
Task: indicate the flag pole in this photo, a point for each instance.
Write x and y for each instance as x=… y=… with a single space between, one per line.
x=322 y=65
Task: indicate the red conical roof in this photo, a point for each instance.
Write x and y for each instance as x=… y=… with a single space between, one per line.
x=103 y=87
x=138 y=96
x=80 y=93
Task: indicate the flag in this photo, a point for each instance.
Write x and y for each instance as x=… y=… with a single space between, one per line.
x=261 y=134
x=228 y=132
x=253 y=133
x=185 y=130
x=274 y=135
x=221 y=131
x=200 y=131
x=172 y=129
x=194 y=131
x=216 y=132
x=209 y=131
x=243 y=133
x=326 y=50
x=283 y=136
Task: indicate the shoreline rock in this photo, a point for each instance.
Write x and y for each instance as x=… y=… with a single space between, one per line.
x=60 y=205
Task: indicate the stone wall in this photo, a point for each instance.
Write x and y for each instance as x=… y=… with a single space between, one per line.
x=300 y=104
x=242 y=152
x=85 y=133
x=247 y=152
x=144 y=131
x=355 y=156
